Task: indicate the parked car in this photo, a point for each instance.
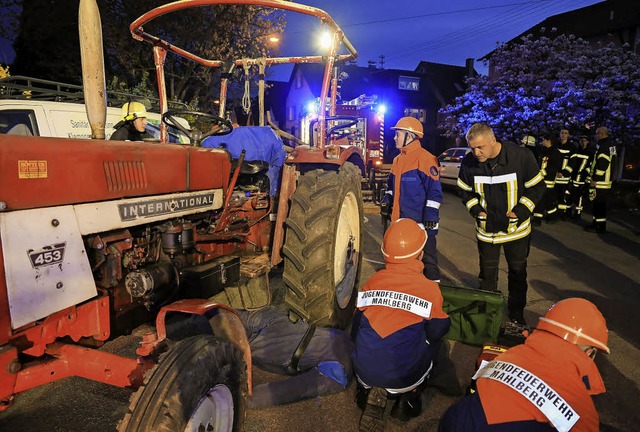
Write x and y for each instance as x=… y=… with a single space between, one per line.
x=450 y=164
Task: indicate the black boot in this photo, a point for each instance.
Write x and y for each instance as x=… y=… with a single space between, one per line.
x=361 y=396
x=407 y=406
x=517 y=318
x=372 y=419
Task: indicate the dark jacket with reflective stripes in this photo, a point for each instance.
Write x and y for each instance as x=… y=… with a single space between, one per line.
x=601 y=166
x=566 y=150
x=512 y=181
x=579 y=165
x=550 y=160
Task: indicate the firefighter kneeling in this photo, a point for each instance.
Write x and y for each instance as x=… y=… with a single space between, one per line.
x=398 y=326
x=543 y=385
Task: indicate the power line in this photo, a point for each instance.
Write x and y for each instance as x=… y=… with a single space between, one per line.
x=459 y=36
x=549 y=11
x=476 y=26
x=427 y=15
x=442 y=13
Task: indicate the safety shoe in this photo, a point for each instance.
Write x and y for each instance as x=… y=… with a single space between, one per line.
x=407 y=406
x=517 y=318
x=372 y=419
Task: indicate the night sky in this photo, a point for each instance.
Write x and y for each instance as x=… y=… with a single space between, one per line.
x=408 y=31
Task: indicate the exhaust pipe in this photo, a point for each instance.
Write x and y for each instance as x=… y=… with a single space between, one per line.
x=95 y=92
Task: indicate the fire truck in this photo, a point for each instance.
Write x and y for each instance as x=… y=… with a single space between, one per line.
x=361 y=123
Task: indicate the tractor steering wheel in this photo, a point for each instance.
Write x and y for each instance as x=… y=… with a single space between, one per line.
x=221 y=126
x=348 y=122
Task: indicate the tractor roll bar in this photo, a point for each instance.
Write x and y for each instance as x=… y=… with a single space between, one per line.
x=138 y=32
x=161 y=46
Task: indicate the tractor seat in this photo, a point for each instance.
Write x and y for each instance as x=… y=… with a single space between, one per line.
x=250 y=167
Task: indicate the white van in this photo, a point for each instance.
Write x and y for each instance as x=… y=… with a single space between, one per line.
x=27 y=108
x=65 y=120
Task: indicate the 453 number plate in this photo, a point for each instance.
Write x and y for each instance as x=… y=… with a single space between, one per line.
x=48 y=255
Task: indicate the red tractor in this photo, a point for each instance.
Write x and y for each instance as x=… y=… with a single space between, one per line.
x=98 y=237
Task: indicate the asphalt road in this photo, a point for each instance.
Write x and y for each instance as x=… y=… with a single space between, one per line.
x=565 y=261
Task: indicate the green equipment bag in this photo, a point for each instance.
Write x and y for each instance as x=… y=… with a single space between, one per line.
x=476 y=315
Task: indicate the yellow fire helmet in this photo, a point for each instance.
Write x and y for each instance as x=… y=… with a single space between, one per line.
x=133 y=110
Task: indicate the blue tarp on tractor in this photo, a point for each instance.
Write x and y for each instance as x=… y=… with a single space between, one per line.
x=260 y=143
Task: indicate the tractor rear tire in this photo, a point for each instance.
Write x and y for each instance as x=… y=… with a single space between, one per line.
x=200 y=383
x=324 y=233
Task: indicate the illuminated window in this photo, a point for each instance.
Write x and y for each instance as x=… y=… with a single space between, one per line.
x=409 y=83
x=291 y=114
x=420 y=114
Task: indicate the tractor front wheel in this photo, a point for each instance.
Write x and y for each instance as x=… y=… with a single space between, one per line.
x=200 y=384
x=323 y=246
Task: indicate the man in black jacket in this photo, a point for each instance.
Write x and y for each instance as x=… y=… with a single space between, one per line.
x=600 y=177
x=566 y=148
x=133 y=126
x=550 y=161
x=579 y=166
x=501 y=185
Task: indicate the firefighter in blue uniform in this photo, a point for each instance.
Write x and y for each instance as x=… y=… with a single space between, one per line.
x=397 y=328
x=414 y=190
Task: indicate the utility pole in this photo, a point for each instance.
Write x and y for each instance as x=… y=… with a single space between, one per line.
x=381 y=61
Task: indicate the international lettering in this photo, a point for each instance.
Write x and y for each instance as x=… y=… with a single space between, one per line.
x=151 y=208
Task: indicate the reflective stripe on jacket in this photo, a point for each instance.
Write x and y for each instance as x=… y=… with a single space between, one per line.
x=601 y=166
x=393 y=346
x=566 y=150
x=579 y=165
x=415 y=182
x=552 y=371
x=512 y=181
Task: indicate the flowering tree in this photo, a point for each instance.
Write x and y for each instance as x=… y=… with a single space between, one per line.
x=46 y=41
x=545 y=83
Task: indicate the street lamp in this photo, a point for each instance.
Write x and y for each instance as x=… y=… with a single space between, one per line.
x=325 y=40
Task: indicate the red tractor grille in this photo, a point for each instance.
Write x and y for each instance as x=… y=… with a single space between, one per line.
x=125 y=175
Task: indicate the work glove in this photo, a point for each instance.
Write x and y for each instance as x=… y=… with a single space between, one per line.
x=386 y=206
x=429 y=225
